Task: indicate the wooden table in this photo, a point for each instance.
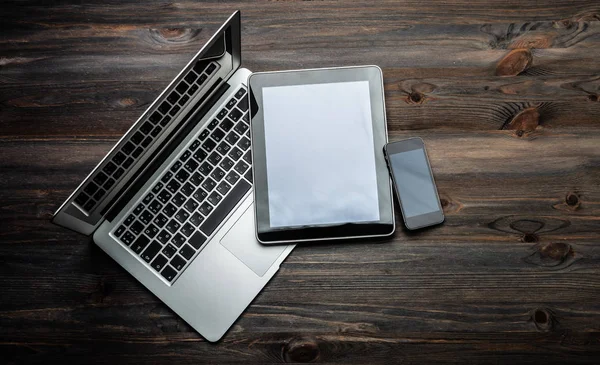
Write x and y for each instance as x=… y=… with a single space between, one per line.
x=504 y=93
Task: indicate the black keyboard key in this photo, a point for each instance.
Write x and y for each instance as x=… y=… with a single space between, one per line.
x=164 y=196
x=241 y=167
x=191 y=205
x=138 y=151
x=226 y=164
x=173 y=186
x=146 y=127
x=117 y=174
x=235 y=115
x=173 y=97
x=196 y=178
x=244 y=143
x=109 y=183
x=248 y=175
x=217 y=174
x=205 y=168
x=173 y=226
x=210 y=68
x=120 y=231
x=99 y=194
x=241 y=92
x=136 y=227
x=81 y=199
x=164 y=236
x=209 y=184
x=235 y=154
x=248 y=157
x=193 y=89
x=217 y=135
x=223 y=148
x=223 y=188
x=151 y=231
x=232 y=177
x=165 y=120
x=157 y=188
x=178 y=240
x=229 y=202
x=147 y=142
x=183 y=100
x=205 y=208
x=241 y=127
x=156 y=131
x=174 y=110
x=127 y=163
x=118 y=158
x=184 y=156
x=146 y=217
x=89 y=205
x=209 y=145
x=155 y=207
x=231 y=103
x=155 y=117
x=191 y=165
x=168 y=273
x=148 y=198
x=178 y=199
x=226 y=124
x=194 y=145
x=197 y=240
x=100 y=178
x=109 y=168
x=128 y=148
x=214 y=198
x=187 y=189
x=201 y=79
x=128 y=238
x=191 y=77
x=243 y=105
x=187 y=251
x=182 y=87
x=151 y=251
x=222 y=113
x=91 y=188
x=213 y=124
x=164 y=107
x=178 y=262
x=129 y=219
x=232 y=138
x=159 y=262
x=140 y=243
x=182 y=176
x=205 y=133
x=187 y=229
x=169 y=250
x=200 y=155
x=169 y=210
x=196 y=219
x=137 y=138
x=182 y=215
x=214 y=158
x=176 y=166
x=138 y=209
x=166 y=177
x=160 y=220
x=200 y=194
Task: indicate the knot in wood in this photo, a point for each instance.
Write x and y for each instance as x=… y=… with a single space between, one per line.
x=572 y=200
x=515 y=62
x=526 y=121
x=301 y=350
x=530 y=238
x=543 y=319
x=593 y=97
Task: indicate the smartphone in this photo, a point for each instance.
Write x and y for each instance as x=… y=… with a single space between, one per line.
x=413 y=182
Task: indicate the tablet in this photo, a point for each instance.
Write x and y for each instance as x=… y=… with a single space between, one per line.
x=317 y=153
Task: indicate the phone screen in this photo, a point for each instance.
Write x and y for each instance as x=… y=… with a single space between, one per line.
x=415 y=185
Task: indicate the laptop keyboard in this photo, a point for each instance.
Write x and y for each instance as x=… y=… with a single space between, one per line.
x=150 y=129
x=181 y=211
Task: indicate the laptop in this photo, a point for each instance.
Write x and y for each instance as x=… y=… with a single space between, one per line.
x=172 y=201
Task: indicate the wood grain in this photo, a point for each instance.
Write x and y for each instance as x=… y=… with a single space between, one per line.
x=512 y=276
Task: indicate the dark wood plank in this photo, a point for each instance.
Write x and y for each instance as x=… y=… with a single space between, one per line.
x=510 y=277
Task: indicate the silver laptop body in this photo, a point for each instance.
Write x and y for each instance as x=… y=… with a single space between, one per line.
x=172 y=201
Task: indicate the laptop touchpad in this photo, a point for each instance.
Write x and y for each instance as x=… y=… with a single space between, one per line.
x=241 y=242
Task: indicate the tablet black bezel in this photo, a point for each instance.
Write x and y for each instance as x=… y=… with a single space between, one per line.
x=264 y=232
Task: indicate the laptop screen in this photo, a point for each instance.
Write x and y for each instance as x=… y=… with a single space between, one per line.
x=320 y=154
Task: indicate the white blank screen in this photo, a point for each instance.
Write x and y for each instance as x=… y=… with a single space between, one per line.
x=320 y=154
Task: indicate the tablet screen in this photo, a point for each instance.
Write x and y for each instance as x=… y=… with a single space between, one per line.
x=320 y=158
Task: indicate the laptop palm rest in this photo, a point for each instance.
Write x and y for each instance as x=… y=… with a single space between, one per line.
x=241 y=242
